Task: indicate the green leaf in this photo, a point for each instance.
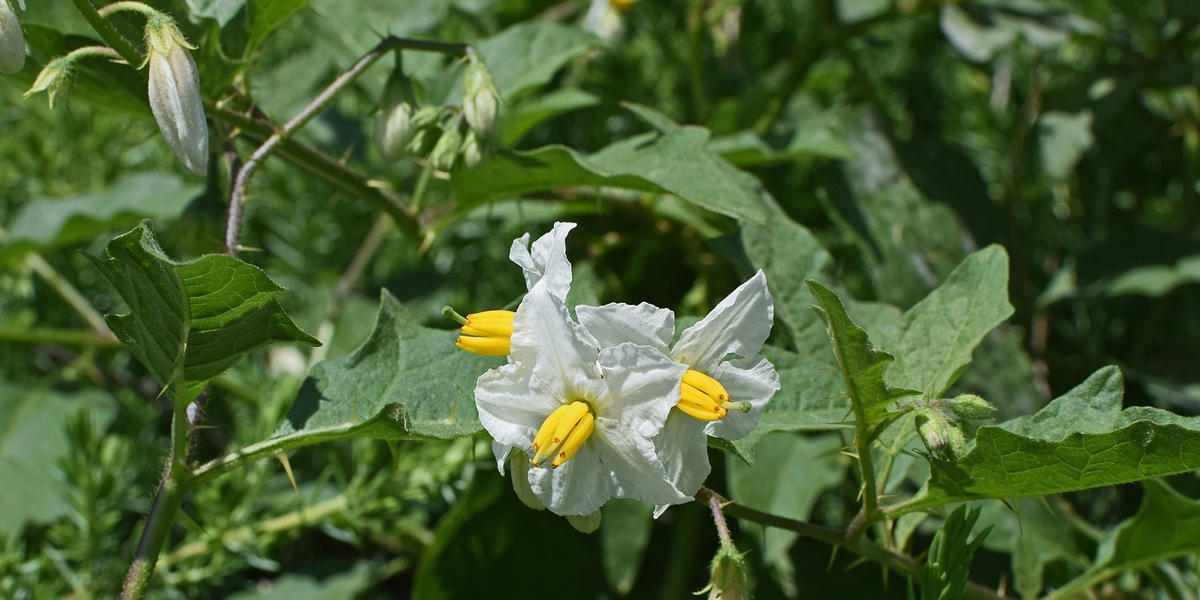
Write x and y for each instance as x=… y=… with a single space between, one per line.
x=220 y=10
x=527 y=55
x=811 y=397
x=938 y=334
x=207 y=312
x=1037 y=532
x=948 y=566
x=746 y=148
x=32 y=440
x=291 y=586
x=861 y=363
x=1155 y=280
x=673 y=162
x=1080 y=440
x=759 y=486
x=1064 y=138
x=404 y=381
x=1166 y=525
x=789 y=254
x=523 y=117
x=47 y=223
x=266 y=15
x=624 y=534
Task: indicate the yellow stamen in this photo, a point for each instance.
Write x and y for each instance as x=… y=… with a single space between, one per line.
x=706 y=384
x=703 y=397
x=575 y=440
x=562 y=433
x=622 y=5
x=487 y=333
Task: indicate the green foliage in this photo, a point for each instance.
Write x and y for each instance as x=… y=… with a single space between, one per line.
x=202 y=314
x=948 y=565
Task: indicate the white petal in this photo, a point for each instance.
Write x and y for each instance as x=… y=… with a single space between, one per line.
x=633 y=465
x=579 y=487
x=509 y=409
x=546 y=259
x=557 y=349
x=613 y=324
x=753 y=380
x=738 y=325
x=643 y=386
x=683 y=449
x=501 y=453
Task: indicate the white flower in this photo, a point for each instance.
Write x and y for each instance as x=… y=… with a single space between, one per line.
x=175 y=95
x=591 y=414
x=488 y=332
x=12 y=40
x=722 y=348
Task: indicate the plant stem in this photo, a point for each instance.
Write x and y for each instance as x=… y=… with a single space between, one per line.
x=166 y=500
x=108 y=33
x=63 y=337
x=900 y=563
x=109 y=10
x=71 y=295
x=265 y=449
x=242 y=181
x=719 y=519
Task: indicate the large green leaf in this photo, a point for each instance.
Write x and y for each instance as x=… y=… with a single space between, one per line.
x=32 y=440
x=1080 y=440
x=938 y=334
x=862 y=364
x=48 y=223
x=527 y=55
x=404 y=381
x=207 y=312
x=266 y=15
x=675 y=161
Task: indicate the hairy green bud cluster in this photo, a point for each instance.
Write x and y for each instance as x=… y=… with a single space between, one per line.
x=943 y=439
x=54 y=79
x=728 y=579
x=396 y=127
x=481 y=99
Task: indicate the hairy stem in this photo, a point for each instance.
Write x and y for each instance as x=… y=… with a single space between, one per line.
x=108 y=33
x=900 y=563
x=242 y=180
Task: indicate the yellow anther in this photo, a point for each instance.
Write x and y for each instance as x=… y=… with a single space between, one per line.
x=487 y=333
x=622 y=4
x=697 y=404
x=575 y=440
x=706 y=384
x=487 y=346
x=564 y=424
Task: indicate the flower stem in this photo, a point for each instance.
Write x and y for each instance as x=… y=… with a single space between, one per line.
x=108 y=33
x=719 y=519
x=109 y=10
x=900 y=563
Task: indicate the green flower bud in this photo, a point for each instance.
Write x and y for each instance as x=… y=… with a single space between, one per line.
x=481 y=100
x=12 y=39
x=585 y=523
x=971 y=407
x=174 y=93
x=472 y=151
x=942 y=438
x=445 y=152
x=395 y=128
x=54 y=79
x=728 y=580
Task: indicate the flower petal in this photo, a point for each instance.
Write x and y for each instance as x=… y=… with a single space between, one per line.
x=643 y=386
x=614 y=324
x=579 y=487
x=683 y=449
x=738 y=325
x=633 y=465
x=555 y=348
x=546 y=259
x=753 y=380
x=509 y=408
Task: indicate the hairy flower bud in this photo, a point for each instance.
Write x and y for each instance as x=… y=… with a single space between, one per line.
x=942 y=438
x=971 y=407
x=12 y=40
x=728 y=580
x=175 y=94
x=396 y=126
x=54 y=79
x=472 y=150
x=481 y=100
x=445 y=152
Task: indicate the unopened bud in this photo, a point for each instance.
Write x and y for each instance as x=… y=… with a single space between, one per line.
x=12 y=40
x=971 y=407
x=728 y=579
x=445 y=152
x=395 y=128
x=481 y=100
x=942 y=438
x=472 y=151
x=175 y=94
x=54 y=79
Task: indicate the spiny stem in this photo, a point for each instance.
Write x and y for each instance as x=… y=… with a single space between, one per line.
x=719 y=519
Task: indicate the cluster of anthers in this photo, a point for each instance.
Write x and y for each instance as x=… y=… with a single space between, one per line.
x=608 y=404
